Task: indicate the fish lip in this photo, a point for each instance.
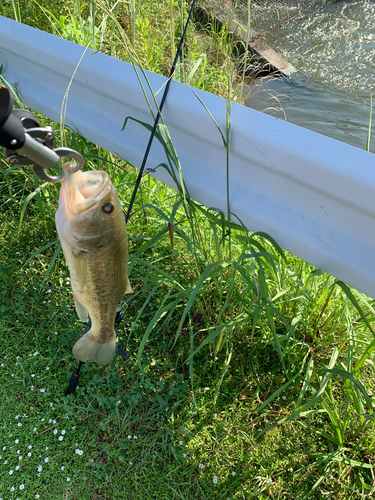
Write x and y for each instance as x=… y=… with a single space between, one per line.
x=72 y=191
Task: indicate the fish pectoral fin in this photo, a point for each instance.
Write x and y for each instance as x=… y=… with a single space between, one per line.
x=80 y=266
x=128 y=288
x=81 y=311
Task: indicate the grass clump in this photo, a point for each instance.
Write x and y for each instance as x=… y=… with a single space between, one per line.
x=250 y=372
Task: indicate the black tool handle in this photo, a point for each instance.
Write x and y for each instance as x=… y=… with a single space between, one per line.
x=72 y=384
x=12 y=133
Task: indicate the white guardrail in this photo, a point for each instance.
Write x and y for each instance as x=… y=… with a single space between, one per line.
x=315 y=196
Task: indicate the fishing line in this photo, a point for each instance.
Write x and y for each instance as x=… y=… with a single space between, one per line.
x=158 y=115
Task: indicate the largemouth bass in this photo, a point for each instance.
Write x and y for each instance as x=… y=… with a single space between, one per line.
x=92 y=232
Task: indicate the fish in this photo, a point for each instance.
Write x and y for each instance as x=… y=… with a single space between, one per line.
x=92 y=231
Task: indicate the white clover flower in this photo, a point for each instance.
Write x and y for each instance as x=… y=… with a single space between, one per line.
x=5 y=462
x=17 y=417
x=42 y=390
x=18 y=452
x=79 y=452
x=12 y=488
x=46 y=448
x=135 y=437
x=200 y=466
x=184 y=455
x=30 y=446
x=36 y=353
x=46 y=460
x=53 y=421
x=37 y=496
x=129 y=437
x=34 y=429
x=33 y=374
x=19 y=424
x=49 y=421
x=68 y=478
x=215 y=479
x=55 y=431
x=291 y=469
x=29 y=454
x=130 y=463
x=61 y=438
x=49 y=291
x=17 y=441
x=63 y=432
x=62 y=467
x=215 y=415
x=283 y=397
x=4 y=448
x=40 y=468
x=233 y=473
x=10 y=472
x=17 y=467
x=55 y=333
x=42 y=419
x=180 y=443
x=22 y=486
x=47 y=367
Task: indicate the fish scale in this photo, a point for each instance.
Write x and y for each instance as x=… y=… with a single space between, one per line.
x=92 y=231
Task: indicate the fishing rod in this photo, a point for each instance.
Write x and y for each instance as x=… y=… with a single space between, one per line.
x=27 y=143
x=75 y=377
x=173 y=68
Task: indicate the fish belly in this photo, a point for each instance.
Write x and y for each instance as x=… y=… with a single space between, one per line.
x=99 y=281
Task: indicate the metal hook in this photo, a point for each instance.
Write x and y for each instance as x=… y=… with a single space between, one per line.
x=62 y=153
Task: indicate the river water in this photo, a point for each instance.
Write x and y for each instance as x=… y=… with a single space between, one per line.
x=333 y=49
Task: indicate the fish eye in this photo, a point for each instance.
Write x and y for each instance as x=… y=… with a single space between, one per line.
x=107 y=208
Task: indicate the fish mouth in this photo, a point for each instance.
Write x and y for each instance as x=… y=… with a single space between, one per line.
x=83 y=190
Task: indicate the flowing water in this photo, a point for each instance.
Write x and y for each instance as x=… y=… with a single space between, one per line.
x=333 y=49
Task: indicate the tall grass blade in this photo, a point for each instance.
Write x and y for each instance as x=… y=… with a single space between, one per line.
x=30 y=197
x=51 y=264
x=349 y=376
x=227 y=362
x=38 y=252
x=212 y=336
x=201 y=59
x=283 y=387
x=198 y=286
x=353 y=300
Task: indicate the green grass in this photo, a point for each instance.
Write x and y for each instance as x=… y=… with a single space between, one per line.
x=250 y=372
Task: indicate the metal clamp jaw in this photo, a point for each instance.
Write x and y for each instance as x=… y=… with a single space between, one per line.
x=27 y=143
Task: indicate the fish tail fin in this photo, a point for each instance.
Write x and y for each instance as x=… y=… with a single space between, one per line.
x=92 y=348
